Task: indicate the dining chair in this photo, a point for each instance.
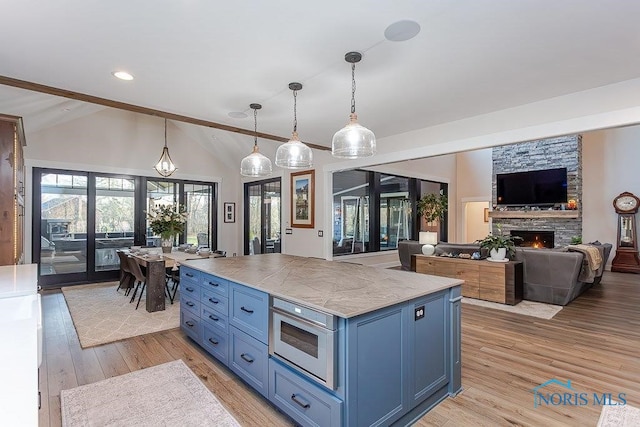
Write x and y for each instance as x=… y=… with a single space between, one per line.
x=140 y=279
x=126 y=277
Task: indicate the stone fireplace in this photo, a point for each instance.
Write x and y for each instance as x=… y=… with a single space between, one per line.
x=534 y=239
x=561 y=152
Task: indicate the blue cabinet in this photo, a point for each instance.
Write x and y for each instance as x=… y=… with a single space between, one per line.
x=303 y=401
x=392 y=364
x=400 y=360
x=249 y=358
x=249 y=311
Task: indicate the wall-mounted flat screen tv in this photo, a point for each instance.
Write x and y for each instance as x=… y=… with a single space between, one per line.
x=532 y=188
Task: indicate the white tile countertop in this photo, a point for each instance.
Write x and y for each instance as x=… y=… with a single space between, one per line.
x=18 y=280
x=339 y=288
x=20 y=317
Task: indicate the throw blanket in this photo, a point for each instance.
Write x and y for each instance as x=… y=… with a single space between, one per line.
x=593 y=261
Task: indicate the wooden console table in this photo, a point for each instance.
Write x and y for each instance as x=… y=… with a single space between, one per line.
x=491 y=281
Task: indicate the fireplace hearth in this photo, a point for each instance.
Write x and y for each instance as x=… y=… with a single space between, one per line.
x=534 y=239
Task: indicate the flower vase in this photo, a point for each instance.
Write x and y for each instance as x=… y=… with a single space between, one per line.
x=167 y=244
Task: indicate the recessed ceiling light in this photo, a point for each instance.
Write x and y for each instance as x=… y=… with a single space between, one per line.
x=122 y=75
x=401 y=31
x=237 y=115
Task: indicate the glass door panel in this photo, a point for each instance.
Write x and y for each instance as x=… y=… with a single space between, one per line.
x=114 y=220
x=63 y=224
x=198 y=204
x=159 y=193
x=263 y=217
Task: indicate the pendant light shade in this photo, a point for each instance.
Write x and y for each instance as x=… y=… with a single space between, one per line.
x=294 y=154
x=354 y=140
x=165 y=166
x=255 y=164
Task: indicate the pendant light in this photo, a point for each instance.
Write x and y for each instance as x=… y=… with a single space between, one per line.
x=294 y=154
x=255 y=164
x=165 y=166
x=353 y=140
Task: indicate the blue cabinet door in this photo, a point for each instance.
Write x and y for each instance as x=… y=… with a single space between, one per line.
x=249 y=311
x=376 y=371
x=427 y=346
x=249 y=359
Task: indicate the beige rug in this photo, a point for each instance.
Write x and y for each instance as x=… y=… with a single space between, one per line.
x=527 y=308
x=165 y=395
x=619 y=416
x=102 y=315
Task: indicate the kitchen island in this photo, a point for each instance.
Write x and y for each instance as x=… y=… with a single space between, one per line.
x=386 y=350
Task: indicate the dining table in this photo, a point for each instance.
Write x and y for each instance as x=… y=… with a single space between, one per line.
x=157 y=264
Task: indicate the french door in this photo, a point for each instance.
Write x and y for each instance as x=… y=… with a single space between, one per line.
x=81 y=219
x=262 y=217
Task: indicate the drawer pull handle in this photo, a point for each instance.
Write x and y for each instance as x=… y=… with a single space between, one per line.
x=213 y=301
x=214 y=318
x=214 y=284
x=190 y=304
x=214 y=342
x=299 y=402
x=188 y=274
x=189 y=289
x=246 y=358
x=246 y=310
x=190 y=324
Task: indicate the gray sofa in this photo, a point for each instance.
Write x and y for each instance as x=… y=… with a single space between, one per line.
x=554 y=276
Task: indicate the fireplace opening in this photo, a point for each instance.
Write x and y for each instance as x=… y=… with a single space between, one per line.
x=534 y=239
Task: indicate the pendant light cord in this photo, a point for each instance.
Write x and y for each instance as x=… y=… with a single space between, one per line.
x=165 y=132
x=295 y=111
x=353 y=88
x=255 y=127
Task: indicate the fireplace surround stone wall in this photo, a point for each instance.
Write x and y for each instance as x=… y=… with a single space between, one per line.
x=565 y=151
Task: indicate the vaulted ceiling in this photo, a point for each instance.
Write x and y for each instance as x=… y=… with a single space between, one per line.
x=207 y=58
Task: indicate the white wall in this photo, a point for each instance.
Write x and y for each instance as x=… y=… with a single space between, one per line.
x=115 y=141
x=611 y=166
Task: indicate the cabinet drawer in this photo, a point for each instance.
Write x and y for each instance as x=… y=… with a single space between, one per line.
x=188 y=303
x=189 y=275
x=216 y=342
x=492 y=275
x=303 y=401
x=215 y=284
x=191 y=326
x=248 y=358
x=189 y=290
x=471 y=290
x=249 y=311
x=446 y=269
x=214 y=319
x=215 y=301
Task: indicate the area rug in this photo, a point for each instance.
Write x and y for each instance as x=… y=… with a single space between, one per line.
x=165 y=395
x=102 y=315
x=527 y=308
x=619 y=416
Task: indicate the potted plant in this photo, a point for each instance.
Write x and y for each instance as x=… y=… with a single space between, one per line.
x=432 y=207
x=499 y=245
x=167 y=221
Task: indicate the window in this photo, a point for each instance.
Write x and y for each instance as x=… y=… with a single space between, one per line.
x=374 y=211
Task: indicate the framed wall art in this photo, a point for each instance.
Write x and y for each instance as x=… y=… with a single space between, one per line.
x=229 y=212
x=303 y=199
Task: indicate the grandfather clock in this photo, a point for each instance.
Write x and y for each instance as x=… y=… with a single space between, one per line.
x=626 y=259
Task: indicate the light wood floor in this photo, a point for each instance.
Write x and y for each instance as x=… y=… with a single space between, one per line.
x=594 y=342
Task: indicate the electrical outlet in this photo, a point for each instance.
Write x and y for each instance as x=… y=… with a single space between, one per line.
x=419 y=313
x=288 y=231
x=320 y=233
